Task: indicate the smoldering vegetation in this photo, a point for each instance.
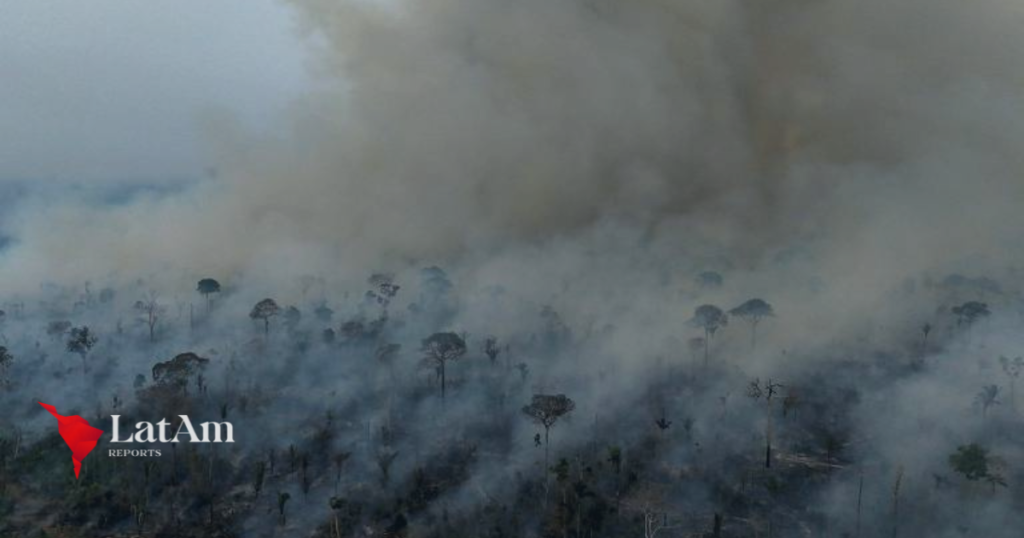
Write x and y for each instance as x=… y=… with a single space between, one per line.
x=563 y=269
x=420 y=406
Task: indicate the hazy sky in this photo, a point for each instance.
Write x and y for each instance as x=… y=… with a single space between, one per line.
x=117 y=89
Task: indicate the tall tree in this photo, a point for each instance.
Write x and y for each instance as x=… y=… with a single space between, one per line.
x=207 y=287
x=263 y=311
x=439 y=349
x=710 y=318
x=150 y=310
x=767 y=392
x=545 y=410
x=81 y=342
x=1012 y=368
x=969 y=313
x=753 y=311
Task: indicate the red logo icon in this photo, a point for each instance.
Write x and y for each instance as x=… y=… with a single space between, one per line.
x=80 y=437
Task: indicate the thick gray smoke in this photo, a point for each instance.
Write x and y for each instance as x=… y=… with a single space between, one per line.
x=879 y=136
x=838 y=158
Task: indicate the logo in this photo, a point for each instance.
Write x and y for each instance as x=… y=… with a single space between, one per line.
x=223 y=432
x=80 y=437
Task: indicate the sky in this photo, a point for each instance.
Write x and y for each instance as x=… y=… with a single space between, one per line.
x=119 y=90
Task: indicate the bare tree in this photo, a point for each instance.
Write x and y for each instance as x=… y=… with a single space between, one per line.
x=766 y=392
x=439 y=349
x=649 y=503
x=150 y=310
x=546 y=410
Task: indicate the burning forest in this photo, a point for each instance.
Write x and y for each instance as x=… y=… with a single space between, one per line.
x=532 y=269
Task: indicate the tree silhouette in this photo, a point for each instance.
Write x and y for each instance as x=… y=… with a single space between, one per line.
x=207 y=287
x=546 y=410
x=150 y=310
x=263 y=311
x=1012 y=368
x=180 y=370
x=710 y=318
x=80 y=341
x=439 y=349
x=753 y=311
x=971 y=461
x=988 y=397
x=969 y=313
x=767 y=392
